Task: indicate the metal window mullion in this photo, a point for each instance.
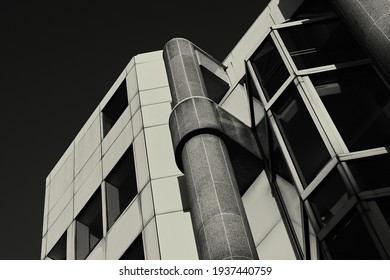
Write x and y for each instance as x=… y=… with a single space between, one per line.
x=312 y=218
x=305 y=231
x=326 y=122
x=363 y=154
x=377 y=227
x=283 y=52
x=319 y=178
x=374 y=193
x=285 y=152
x=104 y=208
x=279 y=92
x=256 y=82
x=332 y=67
x=314 y=117
x=304 y=21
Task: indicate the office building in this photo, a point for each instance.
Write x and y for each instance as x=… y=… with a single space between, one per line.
x=278 y=152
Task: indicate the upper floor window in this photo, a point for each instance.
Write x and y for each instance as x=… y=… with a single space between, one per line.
x=114 y=108
x=121 y=186
x=59 y=250
x=320 y=43
x=89 y=226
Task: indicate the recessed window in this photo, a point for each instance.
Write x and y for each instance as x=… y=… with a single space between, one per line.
x=358 y=102
x=269 y=68
x=135 y=250
x=89 y=226
x=302 y=138
x=114 y=108
x=321 y=43
x=121 y=186
x=59 y=250
x=215 y=86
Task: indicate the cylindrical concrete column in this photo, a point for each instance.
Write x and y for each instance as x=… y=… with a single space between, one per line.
x=219 y=220
x=369 y=21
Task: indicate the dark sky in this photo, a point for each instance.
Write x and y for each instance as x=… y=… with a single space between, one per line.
x=58 y=60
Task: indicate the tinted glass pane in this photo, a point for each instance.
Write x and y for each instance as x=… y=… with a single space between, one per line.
x=313 y=8
x=350 y=240
x=384 y=206
x=329 y=197
x=279 y=172
x=359 y=104
x=371 y=172
x=114 y=108
x=135 y=250
x=269 y=67
x=121 y=186
x=302 y=138
x=321 y=43
x=59 y=250
x=89 y=226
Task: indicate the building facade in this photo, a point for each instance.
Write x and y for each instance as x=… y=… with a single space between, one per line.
x=279 y=152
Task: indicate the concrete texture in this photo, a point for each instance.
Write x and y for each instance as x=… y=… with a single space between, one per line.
x=218 y=217
x=369 y=21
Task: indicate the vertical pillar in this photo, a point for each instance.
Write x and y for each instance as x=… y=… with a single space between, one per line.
x=219 y=220
x=369 y=21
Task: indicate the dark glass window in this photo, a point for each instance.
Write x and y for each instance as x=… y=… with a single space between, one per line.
x=216 y=87
x=320 y=43
x=59 y=250
x=121 y=186
x=114 y=108
x=384 y=206
x=269 y=67
x=371 y=172
x=329 y=197
x=359 y=104
x=280 y=177
x=350 y=240
x=89 y=226
x=302 y=138
x=135 y=250
x=312 y=9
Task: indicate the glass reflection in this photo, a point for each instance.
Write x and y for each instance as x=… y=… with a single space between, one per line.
x=371 y=172
x=279 y=174
x=321 y=43
x=359 y=104
x=269 y=68
x=329 y=197
x=302 y=138
x=350 y=239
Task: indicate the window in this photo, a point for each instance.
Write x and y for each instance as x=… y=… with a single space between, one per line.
x=269 y=68
x=89 y=226
x=321 y=43
x=121 y=186
x=384 y=206
x=283 y=188
x=216 y=87
x=358 y=102
x=371 y=172
x=312 y=9
x=59 y=250
x=329 y=197
x=135 y=250
x=114 y=108
x=302 y=138
x=351 y=240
